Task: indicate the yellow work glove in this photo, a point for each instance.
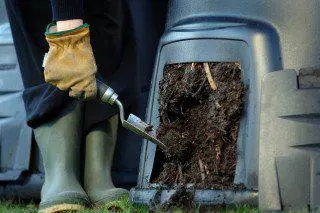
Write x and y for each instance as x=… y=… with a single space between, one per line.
x=70 y=64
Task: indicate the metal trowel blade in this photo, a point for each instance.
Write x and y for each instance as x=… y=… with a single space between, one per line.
x=135 y=124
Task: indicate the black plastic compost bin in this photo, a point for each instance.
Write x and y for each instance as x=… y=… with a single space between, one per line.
x=279 y=138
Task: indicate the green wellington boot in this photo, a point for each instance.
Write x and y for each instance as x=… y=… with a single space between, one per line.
x=100 y=145
x=59 y=144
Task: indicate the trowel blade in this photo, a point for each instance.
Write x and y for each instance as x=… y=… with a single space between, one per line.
x=135 y=124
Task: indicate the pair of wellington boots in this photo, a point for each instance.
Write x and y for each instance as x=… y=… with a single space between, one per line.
x=59 y=142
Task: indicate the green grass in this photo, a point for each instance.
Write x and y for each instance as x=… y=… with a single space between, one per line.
x=241 y=209
x=17 y=208
x=123 y=204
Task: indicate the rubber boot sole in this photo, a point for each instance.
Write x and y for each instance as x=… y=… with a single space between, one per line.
x=69 y=202
x=62 y=207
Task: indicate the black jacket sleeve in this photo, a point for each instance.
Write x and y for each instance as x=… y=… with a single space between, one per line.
x=67 y=9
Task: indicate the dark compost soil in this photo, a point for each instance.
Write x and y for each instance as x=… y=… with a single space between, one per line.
x=181 y=199
x=199 y=125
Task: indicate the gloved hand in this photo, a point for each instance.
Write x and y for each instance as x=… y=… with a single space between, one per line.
x=70 y=64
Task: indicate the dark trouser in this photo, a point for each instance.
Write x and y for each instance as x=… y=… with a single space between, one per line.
x=113 y=48
x=124 y=37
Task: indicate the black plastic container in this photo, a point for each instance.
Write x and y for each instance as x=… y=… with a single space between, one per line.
x=264 y=36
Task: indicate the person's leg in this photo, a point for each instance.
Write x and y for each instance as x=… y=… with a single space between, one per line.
x=107 y=21
x=100 y=145
x=59 y=143
x=56 y=121
x=28 y=20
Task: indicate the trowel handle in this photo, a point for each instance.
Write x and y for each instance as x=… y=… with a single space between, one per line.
x=106 y=93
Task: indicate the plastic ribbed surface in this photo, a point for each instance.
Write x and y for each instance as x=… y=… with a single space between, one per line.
x=15 y=136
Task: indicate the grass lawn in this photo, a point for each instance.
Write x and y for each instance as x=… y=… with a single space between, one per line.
x=122 y=204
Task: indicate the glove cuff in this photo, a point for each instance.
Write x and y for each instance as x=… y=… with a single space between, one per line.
x=51 y=30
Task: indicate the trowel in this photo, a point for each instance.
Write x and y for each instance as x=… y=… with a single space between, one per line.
x=133 y=123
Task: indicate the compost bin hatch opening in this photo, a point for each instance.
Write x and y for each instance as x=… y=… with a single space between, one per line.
x=200 y=106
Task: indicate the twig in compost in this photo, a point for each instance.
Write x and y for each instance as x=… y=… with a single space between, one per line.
x=181 y=108
x=202 y=171
x=217 y=104
x=206 y=169
x=192 y=66
x=176 y=179
x=201 y=86
x=209 y=76
x=179 y=177
x=218 y=156
x=238 y=65
x=180 y=172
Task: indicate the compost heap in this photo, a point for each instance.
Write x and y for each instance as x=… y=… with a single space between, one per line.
x=199 y=123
